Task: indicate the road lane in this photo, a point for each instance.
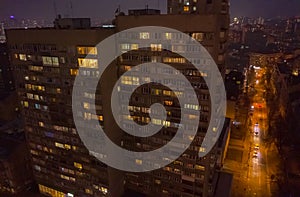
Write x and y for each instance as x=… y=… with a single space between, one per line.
x=254 y=178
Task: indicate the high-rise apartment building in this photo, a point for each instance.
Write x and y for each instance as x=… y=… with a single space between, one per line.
x=198 y=7
x=207 y=22
x=6 y=76
x=46 y=62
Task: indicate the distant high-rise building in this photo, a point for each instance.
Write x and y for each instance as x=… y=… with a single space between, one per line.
x=46 y=62
x=6 y=75
x=198 y=7
x=2 y=33
x=15 y=169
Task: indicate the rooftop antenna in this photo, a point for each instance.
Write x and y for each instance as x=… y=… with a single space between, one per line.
x=71 y=7
x=55 y=8
x=118 y=10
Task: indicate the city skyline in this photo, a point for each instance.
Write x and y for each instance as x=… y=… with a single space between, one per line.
x=106 y=9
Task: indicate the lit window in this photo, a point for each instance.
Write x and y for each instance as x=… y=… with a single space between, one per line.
x=165 y=191
x=23 y=57
x=156 y=121
x=55 y=61
x=192 y=117
x=104 y=190
x=194 y=8
x=50 y=61
x=198 y=167
x=86 y=106
x=62 y=60
x=67 y=146
x=126 y=68
x=35 y=68
x=59 y=145
x=190 y=106
x=58 y=90
x=64 y=177
x=78 y=165
x=166 y=123
x=155 y=59
x=100 y=118
x=37 y=106
x=174 y=60
x=186 y=8
x=158 y=182
x=94 y=116
x=295 y=73
x=198 y=36
x=178 y=94
x=34 y=152
x=125 y=47
x=70 y=195
x=128 y=117
x=36 y=97
x=28 y=86
x=74 y=72
x=88 y=191
x=168 y=36
x=87 y=116
x=89 y=95
x=167 y=93
x=30 y=96
x=169 y=103
x=25 y=104
x=36 y=167
x=87 y=50
x=138 y=161
x=52 y=192
x=144 y=35
x=40 y=88
x=134 y=46
x=145 y=120
x=41 y=124
x=156 y=47
x=130 y=80
x=88 y=63
x=156 y=91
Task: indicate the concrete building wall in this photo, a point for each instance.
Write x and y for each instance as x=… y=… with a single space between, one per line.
x=60 y=161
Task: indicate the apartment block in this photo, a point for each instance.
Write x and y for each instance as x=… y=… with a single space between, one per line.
x=46 y=62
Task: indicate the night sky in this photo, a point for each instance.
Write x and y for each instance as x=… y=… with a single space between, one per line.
x=105 y=9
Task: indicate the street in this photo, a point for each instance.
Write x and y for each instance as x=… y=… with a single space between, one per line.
x=252 y=157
